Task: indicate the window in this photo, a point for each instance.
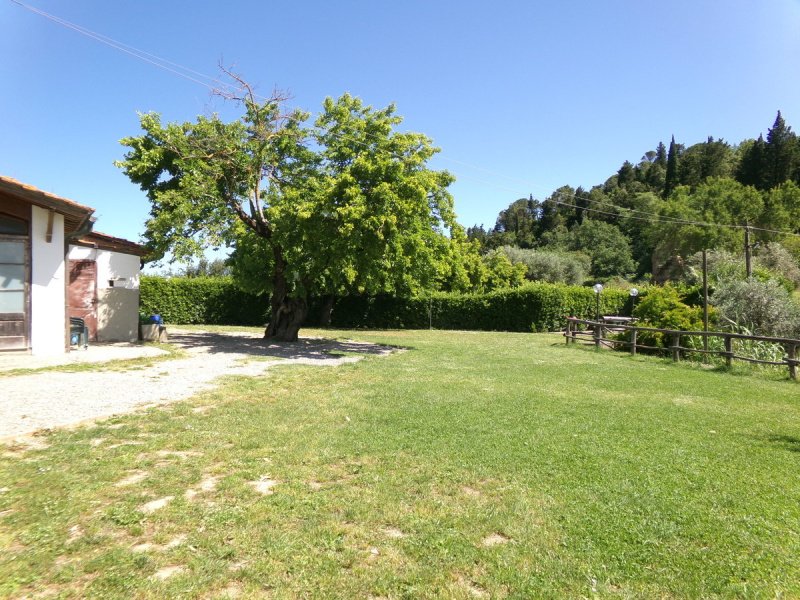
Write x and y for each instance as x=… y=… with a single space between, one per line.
x=12 y=226
x=12 y=276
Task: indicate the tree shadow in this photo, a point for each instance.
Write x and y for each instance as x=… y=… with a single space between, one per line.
x=255 y=346
x=787 y=442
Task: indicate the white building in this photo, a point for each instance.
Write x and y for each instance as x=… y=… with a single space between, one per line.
x=52 y=267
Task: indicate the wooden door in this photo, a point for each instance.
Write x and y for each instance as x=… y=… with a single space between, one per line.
x=82 y=293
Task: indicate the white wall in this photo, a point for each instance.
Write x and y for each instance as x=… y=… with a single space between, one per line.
x=123 y=268
x=48 y=285
x=118 y=304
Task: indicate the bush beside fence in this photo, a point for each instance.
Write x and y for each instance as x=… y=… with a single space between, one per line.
x=533 y=307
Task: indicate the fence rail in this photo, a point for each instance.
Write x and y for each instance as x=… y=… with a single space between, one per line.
x=576 y=331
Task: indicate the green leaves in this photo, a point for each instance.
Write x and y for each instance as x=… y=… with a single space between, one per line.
x=347 y=205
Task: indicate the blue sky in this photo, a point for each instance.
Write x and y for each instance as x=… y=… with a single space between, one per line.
x=522 y=97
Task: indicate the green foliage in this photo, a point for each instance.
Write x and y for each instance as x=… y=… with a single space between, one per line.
x=763 y=307
x=699 y=219
x=664 y=308
x=571 y=268
x=205 y=300
x=501 y=272
x=607 y=246
x=532 y=307
x=709 y=182
x=345 y=206
x=712 y=158
x=771 y=261
x=519 y=220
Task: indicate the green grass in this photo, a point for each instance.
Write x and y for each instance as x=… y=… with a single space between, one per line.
x=470 y=465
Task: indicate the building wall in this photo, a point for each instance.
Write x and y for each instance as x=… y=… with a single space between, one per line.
x=117 y=293
x=48 y=285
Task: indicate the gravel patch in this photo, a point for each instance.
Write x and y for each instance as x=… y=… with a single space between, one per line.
x=57 y=399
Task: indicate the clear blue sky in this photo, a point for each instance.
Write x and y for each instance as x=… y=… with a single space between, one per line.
x=521 y=96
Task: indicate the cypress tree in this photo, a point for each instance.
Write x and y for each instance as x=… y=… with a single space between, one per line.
x=671 y=180
x=779 y=153
x=661 y=154
x=752 y=168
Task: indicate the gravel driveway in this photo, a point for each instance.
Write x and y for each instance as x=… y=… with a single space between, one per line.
x=55 y=399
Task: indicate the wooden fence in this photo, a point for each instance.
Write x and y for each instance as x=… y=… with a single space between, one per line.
x=577 y=330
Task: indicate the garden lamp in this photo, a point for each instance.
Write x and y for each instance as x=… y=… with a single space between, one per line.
x=633 y=292
x=597 y=287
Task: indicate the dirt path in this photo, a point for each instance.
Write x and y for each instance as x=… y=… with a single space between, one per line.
x=54 y=399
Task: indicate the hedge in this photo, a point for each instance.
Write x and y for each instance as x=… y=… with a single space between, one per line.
x=534 y=307
x=201 y=300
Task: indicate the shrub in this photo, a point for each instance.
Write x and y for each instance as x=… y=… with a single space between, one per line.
x=763 y=307
x=663 y=308
x=773 y=261
x=777 y=259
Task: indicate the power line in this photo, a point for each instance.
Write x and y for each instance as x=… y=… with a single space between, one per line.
x=197 y=77
x=136 y=53
x=194 y=76
x=651 y=216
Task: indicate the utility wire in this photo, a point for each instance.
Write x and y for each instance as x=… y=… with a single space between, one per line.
x=195 y=77
x=140 y=54
x=651 y=216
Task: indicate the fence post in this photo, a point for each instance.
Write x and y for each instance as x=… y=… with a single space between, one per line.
x=633 y=342
x=598 y=334
x=568 y=332
x=728 y=350
x=676 y=347
x=791 y=359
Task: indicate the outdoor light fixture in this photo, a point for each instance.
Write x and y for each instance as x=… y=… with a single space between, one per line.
x=633 y=292
x=597 y=287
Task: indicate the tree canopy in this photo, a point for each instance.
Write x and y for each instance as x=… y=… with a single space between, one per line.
x=347 y=204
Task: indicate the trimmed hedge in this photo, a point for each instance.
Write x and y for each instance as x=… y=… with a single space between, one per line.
x=201 y=300
x=533 y=307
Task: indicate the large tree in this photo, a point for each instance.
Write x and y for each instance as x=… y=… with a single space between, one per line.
x=712 y=216
x=779 y=153
x=347 y=205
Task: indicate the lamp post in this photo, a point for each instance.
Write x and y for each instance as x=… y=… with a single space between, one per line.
x=597 y=287
x=633 y=292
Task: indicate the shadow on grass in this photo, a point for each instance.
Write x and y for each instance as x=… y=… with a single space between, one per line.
x=250 y=345
x=787 y=442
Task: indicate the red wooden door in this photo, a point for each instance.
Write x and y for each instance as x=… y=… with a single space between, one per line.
x=82 y=293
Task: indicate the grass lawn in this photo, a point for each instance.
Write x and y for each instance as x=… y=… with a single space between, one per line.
x=471 y=465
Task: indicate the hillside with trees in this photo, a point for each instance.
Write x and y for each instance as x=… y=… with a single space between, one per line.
x=647 y=219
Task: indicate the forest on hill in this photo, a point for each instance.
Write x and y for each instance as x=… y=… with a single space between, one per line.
x=648 y=220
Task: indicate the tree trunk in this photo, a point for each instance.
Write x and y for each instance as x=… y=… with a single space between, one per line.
x=287 y=316
x=288 y=313
x=327 y=310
